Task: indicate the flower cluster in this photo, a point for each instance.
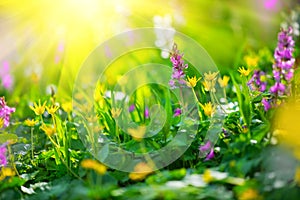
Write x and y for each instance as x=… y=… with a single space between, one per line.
x=207 y=148
x=258 y=81
x=5 y=113
x=178 y=74
x=283 y=67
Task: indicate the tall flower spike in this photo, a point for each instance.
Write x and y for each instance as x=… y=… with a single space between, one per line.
x=5 y=113
x=178 y=74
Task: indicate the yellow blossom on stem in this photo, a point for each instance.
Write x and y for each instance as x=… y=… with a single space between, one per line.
x=243 y=71
x=67 y=106
x=223 y=82
x=115 y=112
x=49 y=130
x=94 y=165
x=141 y=170
x=52 y=109
x=249 y=194
x=251 y=61
x=208 y=109
x=210 y=76
x=138 y=133
x=1 y=122
x=207 y=177
x=38 y=109
x=192 y=82
x=6 y=172
x=30 y=122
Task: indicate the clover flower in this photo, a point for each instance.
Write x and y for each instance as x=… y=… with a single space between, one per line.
x=258 y=81
x=5 y=112
x=178 y=74
x=283 y=70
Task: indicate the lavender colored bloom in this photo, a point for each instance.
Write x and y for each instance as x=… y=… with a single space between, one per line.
x=270 y=4
x=283 y=67
x=211 y=155
x=266 y=104
x=205 y=147
x=5 y=112
x=5 y=76
x=258 y=81
x=178 y=74
x=3 y=159
x=177 y=112
x=146 y=113
x=131 y=108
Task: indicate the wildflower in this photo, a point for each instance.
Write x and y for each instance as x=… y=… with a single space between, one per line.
x=94 y=165
x=67 y=106
x=210 y=155
x=178 y=74
x=251 y=61
x=52 y=109
x=5 y=113
x=210 y=76
x=207 y=177
x=30 y=122
x=138 y=133
x=258 y=81
x=249 y=194
x=131 y=108
x=3 y=159
x=192 y=82
x=38 y=108
x=297 y=176
x=205 y=147
x=177 y=112
x=6 y=172
x=208 y=109
x=223 y=82
x=243 y=71
x=5 y=76
x=115 y=112
x=49 y=130
x=146 y=113
x=283 y=70
x=141 y=170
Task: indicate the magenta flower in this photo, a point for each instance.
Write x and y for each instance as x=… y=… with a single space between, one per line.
x=3 y=159
x=266 y=104
x=131 y=108
x=177 y=112
x=258 y=81
x=5 y=112
x=178 y=74
x=211 y=155
x=5 y=76
x=146 y=113
x=270 y=4
x=205 y=147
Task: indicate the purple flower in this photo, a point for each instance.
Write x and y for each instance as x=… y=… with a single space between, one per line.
x=3 y=159
x=178 y=74
x=5 y=112
x=270 y=4
x=258 y=81
x=131 y=108
x=278 y=88
x=205 y=147
x=146 y=113
x=5 y=76
x=177 y=112
x=211 y=155
x=266 y=104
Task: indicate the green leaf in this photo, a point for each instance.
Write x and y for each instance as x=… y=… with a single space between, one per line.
x=4 y=137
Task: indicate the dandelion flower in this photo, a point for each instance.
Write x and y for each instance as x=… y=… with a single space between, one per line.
x=38 y=109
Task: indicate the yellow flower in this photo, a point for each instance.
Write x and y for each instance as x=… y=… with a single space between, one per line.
x=30 y=122
x=209 y=85
x=208 y=109
x=223 y=82
x=138 y=133
x=52 y=109
x=1 y=122
x=38 y=109
x=251 y=61
x=115 y=112
x=249 y=194
x=210 y=76
x=243 y=71
x=207 y=177
x=192 y=82
x=94 y=165
x=67 y=106
x=141 y=170
x=6 y=172
x=297 y=176
x=49 y=130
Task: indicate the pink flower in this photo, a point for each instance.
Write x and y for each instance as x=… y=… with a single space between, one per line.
x=3 y=159
x=177 y=112
x=5 y=112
